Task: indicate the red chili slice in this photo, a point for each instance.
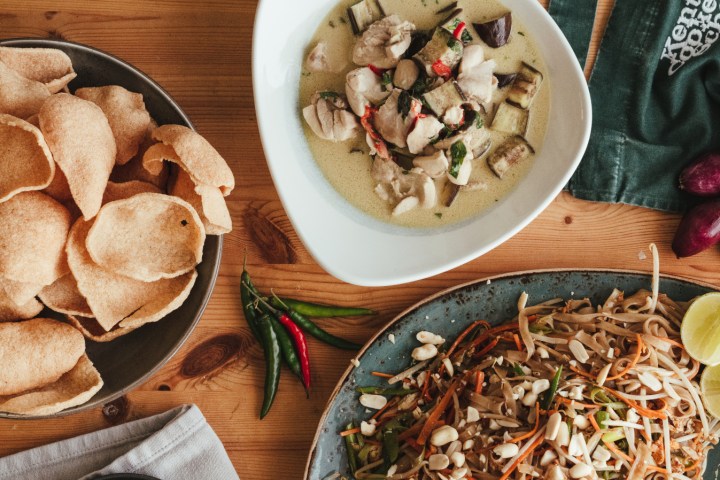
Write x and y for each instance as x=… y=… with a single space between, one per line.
x=441 y=70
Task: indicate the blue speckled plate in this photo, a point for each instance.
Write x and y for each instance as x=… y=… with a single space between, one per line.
x=448 y=313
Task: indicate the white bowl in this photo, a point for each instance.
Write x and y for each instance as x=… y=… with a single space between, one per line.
x=356 y=247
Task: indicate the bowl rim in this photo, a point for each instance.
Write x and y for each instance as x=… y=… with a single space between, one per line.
x=33 y=42
x=329 y=262
x=502 y=276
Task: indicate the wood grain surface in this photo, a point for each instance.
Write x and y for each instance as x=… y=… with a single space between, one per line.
x=200 y=52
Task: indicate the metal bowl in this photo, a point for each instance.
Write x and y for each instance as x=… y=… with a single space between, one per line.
x=132 y=359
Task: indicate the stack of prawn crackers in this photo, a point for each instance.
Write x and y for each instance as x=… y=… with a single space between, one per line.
x=96 y=225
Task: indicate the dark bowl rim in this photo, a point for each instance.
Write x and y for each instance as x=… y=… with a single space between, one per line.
x=217 y=259
x=449 y=291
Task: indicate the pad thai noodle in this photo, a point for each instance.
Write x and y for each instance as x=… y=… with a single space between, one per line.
x=565 y=390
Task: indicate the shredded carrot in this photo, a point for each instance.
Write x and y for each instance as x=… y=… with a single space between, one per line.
x=488 y=347
x=412 y=431
x=426 y=385
x=532 y=318
x=382 y=410
x=350 y=432
x=640 y=348
x=613 y=448
x=382 y=375
x=517 y=342
x=437 y=412
x=574 y=403
x=594 y=422
x=479 y=377
x=582 y=372
x=522 y=457
x=464 y=334
x=502 y=328
x=640 y=409
x=531 y=432
x=672 y=342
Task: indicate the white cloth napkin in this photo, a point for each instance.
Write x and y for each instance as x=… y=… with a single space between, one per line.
x=177 y=444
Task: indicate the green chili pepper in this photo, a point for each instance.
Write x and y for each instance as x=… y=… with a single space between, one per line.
x=248 y=303
x=273 y=358
x=391 y=447
x=550 y=394
x=287 y=348
x=393 y=392
x=350 y=442
x=318 y=332
x=601 y=417
x=318 y=310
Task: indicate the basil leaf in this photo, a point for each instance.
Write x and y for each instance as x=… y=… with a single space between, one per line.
x=404 y=102
x=326 y=95
x=458 y=151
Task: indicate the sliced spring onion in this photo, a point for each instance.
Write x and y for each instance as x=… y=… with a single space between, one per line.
x=550 y=394
x=613 y=435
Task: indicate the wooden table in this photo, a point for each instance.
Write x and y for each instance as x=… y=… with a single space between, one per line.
x=200 y=52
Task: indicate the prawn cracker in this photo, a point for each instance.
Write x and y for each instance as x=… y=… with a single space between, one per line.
x=33 y=230
x=11 y=311
x=120 y=191
x=20 y=292
x=36 y=352
x=207 y=201
x=63 y=296
x=116 y=299
x=188 y=149
x=83 y=146
x=74 y=388
x=25 y=159
x=147 y=237
x=49 y=66
x=93 y=331
x=126 y=113
x=21 y=97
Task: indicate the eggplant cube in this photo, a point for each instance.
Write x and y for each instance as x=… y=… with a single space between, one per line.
x=443 y=49
x=525 y=87
x=444 y=97
x=510 y=119
x=363 y=14
x=514 y=150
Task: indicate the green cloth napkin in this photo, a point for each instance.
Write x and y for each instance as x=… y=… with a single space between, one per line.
x=655 y=92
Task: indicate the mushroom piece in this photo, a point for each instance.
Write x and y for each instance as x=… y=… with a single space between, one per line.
x=363 y=87
x=319 y=61
x=384 y=42
x=476 y=77
x=396 y=117
x=434 y=165
x=425 y=131
x=329 y=118
x=406 y=74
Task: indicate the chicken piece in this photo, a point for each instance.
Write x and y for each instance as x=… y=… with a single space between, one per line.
x=393 y=122
x=329 y=118
x=453 y=115
x=406 y=190
x=317 y=60
x=383 y=43
x=363 y=87
x=406 y=74
x=434 y=165
x=425 y=131
x=476 y=77
x=463 y=175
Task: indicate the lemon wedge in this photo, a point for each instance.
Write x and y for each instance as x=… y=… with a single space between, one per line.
x=710 y=389
x=700 y=329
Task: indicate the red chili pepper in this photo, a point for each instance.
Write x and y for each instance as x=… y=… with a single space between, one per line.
x=378 y=141
x=459 y=30
x=300 y=345
x=377 y=71
x=441 y=70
